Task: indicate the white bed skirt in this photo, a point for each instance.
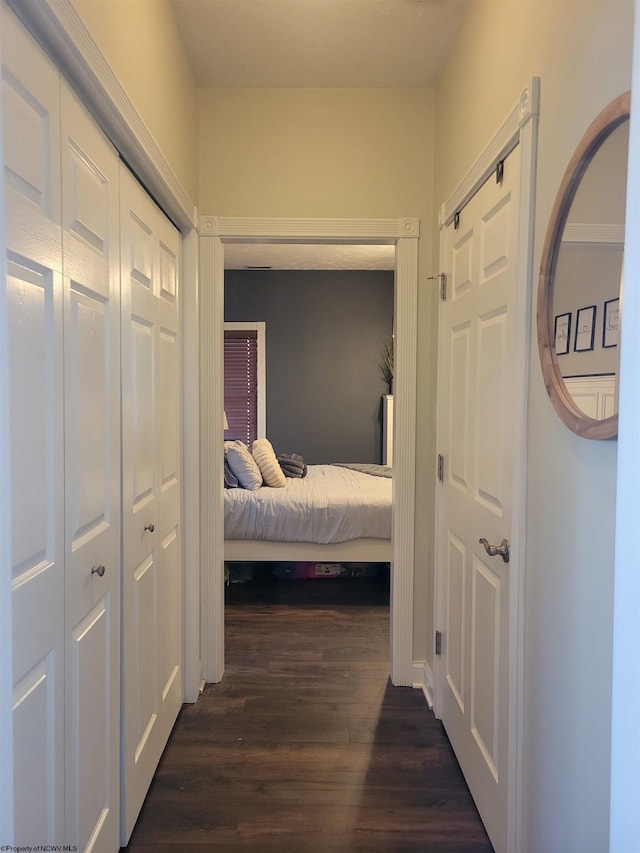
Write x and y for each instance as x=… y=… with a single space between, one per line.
x=353 y=551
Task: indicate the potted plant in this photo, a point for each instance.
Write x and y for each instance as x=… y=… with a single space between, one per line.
x=386 y=363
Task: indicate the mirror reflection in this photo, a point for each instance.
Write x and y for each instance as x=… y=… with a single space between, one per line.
x=588 y=274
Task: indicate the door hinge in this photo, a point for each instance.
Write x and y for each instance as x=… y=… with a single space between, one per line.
x=499 y=171
x=441 y=467
x=456 y=220
x=438 y=642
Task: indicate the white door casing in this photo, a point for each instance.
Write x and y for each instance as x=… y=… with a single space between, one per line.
x=214 y=232
x=482 y=388
x=152 y=587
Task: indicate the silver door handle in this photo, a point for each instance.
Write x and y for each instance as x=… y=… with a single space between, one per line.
x=150 y=527
x=98 y=570
x=494 y=550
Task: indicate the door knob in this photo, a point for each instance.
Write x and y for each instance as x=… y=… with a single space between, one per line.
x=501 y=550
x=150 y=527
x=98 y=570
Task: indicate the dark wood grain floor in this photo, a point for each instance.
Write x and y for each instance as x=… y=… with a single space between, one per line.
x=305 y=746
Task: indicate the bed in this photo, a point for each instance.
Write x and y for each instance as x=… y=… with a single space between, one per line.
x=340 y=513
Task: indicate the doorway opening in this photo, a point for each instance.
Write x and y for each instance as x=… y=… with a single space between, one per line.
x=314 y=391
x=216 y=234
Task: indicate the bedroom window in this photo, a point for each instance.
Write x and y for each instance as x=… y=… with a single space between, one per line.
x=244 y=381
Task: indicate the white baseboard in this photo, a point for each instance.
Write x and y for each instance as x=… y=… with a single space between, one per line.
x=423 y=680
x=192 y=696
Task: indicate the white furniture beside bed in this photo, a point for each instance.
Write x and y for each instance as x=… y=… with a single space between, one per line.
x=387 y=429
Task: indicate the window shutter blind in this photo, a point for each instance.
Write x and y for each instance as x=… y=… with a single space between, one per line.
x=241 y=384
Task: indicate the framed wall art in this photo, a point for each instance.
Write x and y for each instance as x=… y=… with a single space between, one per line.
x=585 y=329
x=610 y=323
x=562 y=333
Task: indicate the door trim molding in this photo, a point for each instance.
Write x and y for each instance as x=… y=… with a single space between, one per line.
x=61 y=31
x=508 y=135
x=214 y=232
x=520 y=128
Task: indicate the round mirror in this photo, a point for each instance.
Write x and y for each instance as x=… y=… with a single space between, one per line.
x=580 y=278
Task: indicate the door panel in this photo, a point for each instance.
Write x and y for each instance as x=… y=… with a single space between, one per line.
x=169 y=576
x=31 y=106
x=145 y=667
x=141 y=461
x=476 y=393
x=152 y=591
x=88 y=429
x=462 y=265
x=460 y=370
x=32 y=318
x=490 y=387
x=168 y=433
x=34 y=703
x=90 y=741
x=168 y=273
x=90 y=176
x=485 y=662
x=455 y=621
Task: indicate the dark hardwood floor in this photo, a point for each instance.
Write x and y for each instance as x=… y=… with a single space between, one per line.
x=305 y=746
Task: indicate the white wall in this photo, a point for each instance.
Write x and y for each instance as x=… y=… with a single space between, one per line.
x=334 y=153
x=582 y=52
x=370 y=153
x=625 y=740
x=141 y=41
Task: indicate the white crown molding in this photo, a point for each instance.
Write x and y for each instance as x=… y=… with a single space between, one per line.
x=582 y=232
x=62 y=33
x=504 y=141
x=243 y=228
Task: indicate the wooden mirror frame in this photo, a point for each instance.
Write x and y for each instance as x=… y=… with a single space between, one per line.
x=606 y=122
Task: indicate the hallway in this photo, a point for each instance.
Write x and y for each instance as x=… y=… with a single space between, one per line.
x=305 y=746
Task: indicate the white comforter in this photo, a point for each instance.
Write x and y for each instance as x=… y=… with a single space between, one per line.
x=330 y=504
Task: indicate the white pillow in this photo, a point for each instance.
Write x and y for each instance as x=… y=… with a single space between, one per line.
x=243 y=465
x=264 y=454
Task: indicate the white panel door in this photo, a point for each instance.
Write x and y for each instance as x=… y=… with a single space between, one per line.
x=476 y=396
x=91 y=270
x=152 y=588
x=31 y=136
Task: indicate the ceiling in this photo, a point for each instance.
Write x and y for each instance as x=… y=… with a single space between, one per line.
x=317 y=44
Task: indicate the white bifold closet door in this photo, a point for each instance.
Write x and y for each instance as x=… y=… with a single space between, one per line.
x=31 y=138
x=91 y=286
x=152 y=589
x=61 y=184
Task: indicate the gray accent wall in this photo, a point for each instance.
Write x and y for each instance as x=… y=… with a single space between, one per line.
x=325 y=331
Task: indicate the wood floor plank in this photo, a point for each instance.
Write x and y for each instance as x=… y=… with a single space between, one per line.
x=305 y=746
